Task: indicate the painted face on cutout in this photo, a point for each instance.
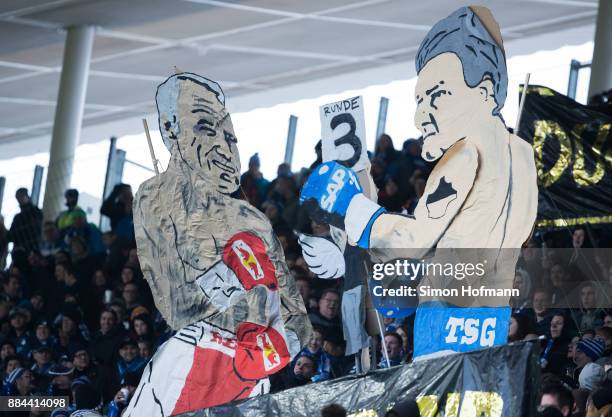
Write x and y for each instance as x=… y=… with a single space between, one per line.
x=448 y=110
x=204 y=135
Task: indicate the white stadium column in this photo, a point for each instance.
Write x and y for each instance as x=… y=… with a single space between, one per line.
x=601 y=67
x=68 y=116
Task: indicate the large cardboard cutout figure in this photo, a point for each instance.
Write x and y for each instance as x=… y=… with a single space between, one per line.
x=216 y=270
x=482 y=192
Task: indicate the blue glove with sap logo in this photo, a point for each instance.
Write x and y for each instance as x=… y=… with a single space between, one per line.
x=332 y=186
x=327 y=195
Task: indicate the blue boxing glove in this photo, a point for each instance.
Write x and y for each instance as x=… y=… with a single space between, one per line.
x=332 y=186
x=328 y=194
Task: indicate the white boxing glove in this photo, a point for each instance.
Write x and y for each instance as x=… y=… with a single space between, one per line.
x=323 y=257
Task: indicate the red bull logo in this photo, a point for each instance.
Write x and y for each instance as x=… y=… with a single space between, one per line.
x=248 y=259
x=245 y=254
x=271 y=357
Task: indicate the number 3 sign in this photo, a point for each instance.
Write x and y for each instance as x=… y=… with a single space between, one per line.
x=343 y=133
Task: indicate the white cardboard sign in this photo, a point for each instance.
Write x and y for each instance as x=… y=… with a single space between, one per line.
x=343 y=133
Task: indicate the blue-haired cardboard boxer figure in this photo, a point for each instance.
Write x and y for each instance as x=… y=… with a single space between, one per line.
x=215 y=268
x=482 y=192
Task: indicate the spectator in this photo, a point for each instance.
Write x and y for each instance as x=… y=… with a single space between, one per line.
x=608 y=319
x=522 y=282
x=142 y=328
x=253 y=184
x=541 y=310
x=554 y=357
x=19 y=331
x=385 y=150
x=86 y=401
x=4 y=241
x=605 y=334
x=19 y=382
x=42 y=363
x=600 y=404
x=590 y=316
x=11 y=363
x=559 y=397
x=301 y=373
x=303 y=286
x=84 y=367
x=328 y=316
x=594 y=376
x=43 y=336
x=131 y=296
x=315 y=349
x=129 y=361
x=7 y=348
x=390 y=196
x=122 y=397
x=333 y=410
x=118 y=208
x=145 y=349
x=66 y=218
x=61 y=380
x=519 y=327
x=51 y=239
x=105 y=342
x=335 y=347
x=393 y=344
x=26 y=228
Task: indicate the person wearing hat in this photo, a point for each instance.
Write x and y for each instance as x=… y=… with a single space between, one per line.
x=19 y=329
x=84 y=367
x=26 y=229
x=19 y=382
x=66 y=218
x=87 y=400
x=42 y=356
x=72 y=326
x=129 y=360
x=594 y=376
x=43 y=335
x=587 y=350
x=61 y=379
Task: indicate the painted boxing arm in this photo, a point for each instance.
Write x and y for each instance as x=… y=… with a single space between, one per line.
x=337 y=192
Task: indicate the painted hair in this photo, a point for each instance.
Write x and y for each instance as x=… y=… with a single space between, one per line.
x=167 y=96
x=464 y=34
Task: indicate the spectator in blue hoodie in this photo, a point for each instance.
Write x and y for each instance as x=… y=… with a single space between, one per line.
x=315 y=349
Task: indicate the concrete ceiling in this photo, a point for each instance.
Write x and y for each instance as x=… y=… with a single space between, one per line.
x=248 y=46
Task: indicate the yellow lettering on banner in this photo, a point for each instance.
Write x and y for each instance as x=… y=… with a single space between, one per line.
x=451 y=408
x=481 y=404
x=544 y=129
x=428 y=405
x=580 y=174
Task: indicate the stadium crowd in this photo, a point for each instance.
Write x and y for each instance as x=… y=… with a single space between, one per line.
x=78 y=319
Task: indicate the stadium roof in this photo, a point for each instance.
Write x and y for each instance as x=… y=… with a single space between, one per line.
x=248 y=46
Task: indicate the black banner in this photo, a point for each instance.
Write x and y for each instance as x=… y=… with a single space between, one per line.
x=495 y=382
x=573 y=158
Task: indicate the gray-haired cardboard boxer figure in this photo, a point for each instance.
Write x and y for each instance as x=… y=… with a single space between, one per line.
x=482 y=192
x=216 y=270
